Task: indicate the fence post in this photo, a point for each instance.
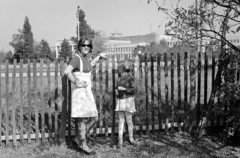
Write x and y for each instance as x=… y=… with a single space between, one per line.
x=62 y=130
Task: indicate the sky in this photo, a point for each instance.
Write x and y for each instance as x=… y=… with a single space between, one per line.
x=54 y=20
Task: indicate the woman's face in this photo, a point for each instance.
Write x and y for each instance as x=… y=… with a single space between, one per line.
x=85 y=47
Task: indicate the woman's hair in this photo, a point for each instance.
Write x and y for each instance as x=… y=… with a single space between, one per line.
x=81 y=41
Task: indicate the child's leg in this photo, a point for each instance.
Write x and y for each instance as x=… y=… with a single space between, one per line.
x=120 y=124
x=130 y=125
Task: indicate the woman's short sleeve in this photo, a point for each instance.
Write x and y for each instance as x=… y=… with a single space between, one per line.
x=75 y=62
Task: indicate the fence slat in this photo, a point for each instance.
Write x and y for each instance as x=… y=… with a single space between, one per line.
x=192 y=90
x=62 y=131
x=146 y=93
x=21 y=100
x=114 y=96
x=152 y=94
x=185 y=74
x=213 y=77
x=107 y=104
x=49 y=102
x=140 y=85
x=29 y=100
x=179 y=92
x=69 y=109
x=205 y=80
x=1 y=112
x=166 y=92
x=35 y=100
x=94 y=78
x=42 y=101
x=172 y=91
x=7 y=101
x=199 y=66
x=13 y=103
x=159 y=91
x=56 y=106
x=100 y=123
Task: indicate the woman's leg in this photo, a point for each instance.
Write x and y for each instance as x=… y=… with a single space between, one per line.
x=121 y=117
x=130 y=125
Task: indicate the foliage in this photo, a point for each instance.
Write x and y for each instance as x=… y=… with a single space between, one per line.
x=151 y=50
x=85 y=29
x=2 y=55
x=98 y=43
x=27 y=40
x=65 y=50
x=8 y=55
x=207 y=19
x=46 y=51
x=17 y=44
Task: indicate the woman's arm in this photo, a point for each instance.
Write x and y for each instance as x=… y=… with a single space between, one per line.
x=68 y=72
x=95 y=60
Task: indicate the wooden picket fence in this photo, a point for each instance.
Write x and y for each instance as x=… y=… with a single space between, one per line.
x=36 y=101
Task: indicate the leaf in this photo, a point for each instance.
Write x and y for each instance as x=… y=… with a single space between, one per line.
x=238 y=29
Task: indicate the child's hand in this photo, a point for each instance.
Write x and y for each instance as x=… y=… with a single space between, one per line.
x=116 y=91
x=121 y=88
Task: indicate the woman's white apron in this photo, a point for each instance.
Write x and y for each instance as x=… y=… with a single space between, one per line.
x=83 y=102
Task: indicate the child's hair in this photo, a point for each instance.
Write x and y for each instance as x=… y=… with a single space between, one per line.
x=126 y=65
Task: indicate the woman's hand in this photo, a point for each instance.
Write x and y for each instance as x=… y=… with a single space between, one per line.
x=103 y=55
x=81 y=84
x=121 y=88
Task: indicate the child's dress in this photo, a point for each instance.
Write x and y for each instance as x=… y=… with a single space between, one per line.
x=125 y=99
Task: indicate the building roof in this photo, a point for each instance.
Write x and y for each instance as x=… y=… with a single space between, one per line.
x=148 y=38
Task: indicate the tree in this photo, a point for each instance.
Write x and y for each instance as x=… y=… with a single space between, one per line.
x=17 y=44
x=85 y=29
x=46 y=51
x=2 y=55
x=27 y=40
x=22 y=42
x=65 y=50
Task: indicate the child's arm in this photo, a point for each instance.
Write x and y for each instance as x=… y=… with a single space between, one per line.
x=131 y=89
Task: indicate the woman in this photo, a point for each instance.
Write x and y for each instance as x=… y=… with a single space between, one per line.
x=78 y=72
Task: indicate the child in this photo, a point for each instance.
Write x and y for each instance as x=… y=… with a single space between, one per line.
x=125 y=106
